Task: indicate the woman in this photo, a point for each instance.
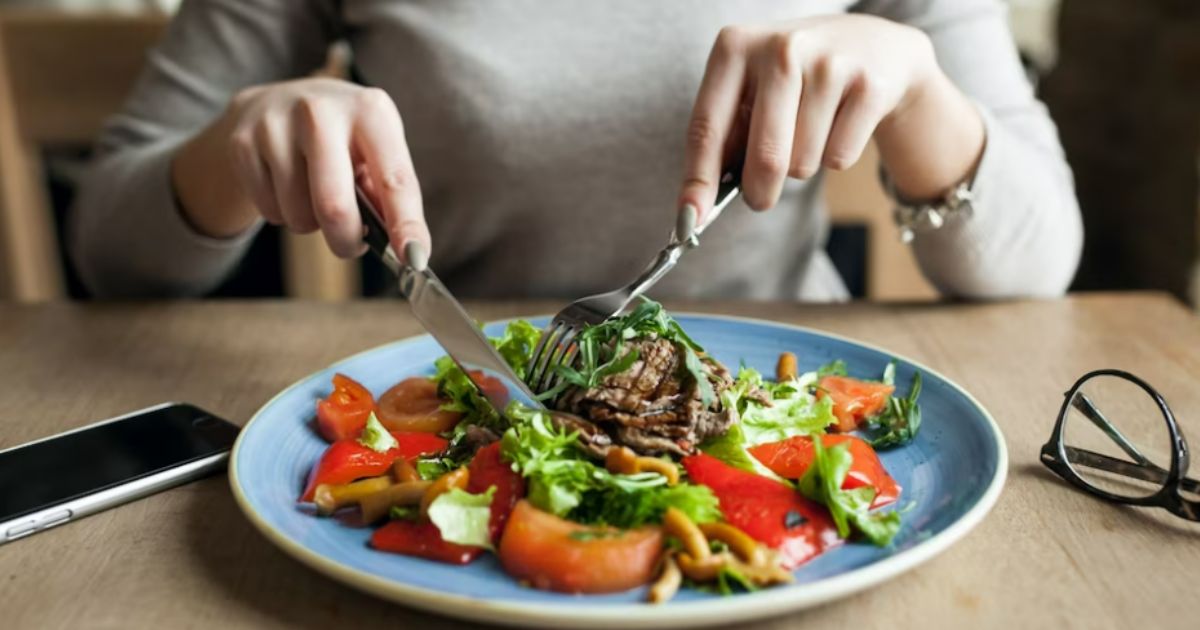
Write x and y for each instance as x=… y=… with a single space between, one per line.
x=535 y=147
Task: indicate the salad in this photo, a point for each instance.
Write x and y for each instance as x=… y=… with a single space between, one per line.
x=653 y=464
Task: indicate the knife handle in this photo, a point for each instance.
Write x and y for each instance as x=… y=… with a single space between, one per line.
x=375 y=233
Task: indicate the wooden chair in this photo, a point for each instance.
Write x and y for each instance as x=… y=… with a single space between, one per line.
x=61 y=76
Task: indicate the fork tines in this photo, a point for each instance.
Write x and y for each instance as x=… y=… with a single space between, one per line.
x=553 y=349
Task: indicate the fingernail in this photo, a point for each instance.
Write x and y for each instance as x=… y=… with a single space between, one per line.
x=415 y=255
x=685 y=223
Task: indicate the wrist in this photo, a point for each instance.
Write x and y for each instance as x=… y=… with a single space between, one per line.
x=205 y=185
x=926 y=85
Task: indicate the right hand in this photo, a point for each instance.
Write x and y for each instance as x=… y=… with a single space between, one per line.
x=298 y=148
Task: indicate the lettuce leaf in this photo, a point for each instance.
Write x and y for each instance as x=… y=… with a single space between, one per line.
x=562 y=481
x=822 y=482
x=375 y=437
x=793 y=411
x=462 y=517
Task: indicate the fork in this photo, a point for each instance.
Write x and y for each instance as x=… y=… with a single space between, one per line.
x=555 y=347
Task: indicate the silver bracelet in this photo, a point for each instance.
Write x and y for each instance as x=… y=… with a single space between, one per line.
x=925 y=217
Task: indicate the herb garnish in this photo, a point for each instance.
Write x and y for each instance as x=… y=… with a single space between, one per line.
x=900 y=420
x=601 y=350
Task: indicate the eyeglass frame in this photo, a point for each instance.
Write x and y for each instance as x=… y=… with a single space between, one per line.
x=1174 y=482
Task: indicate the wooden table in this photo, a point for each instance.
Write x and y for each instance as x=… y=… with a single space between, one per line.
x=1047 y=555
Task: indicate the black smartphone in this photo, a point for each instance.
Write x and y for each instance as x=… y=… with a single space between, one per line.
x=70 y=475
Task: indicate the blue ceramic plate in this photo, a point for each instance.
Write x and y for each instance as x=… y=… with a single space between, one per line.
x=953 y=472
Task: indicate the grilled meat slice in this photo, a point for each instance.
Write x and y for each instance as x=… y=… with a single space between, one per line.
x=654 y=407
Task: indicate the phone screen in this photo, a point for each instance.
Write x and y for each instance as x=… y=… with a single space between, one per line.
x=65 y=467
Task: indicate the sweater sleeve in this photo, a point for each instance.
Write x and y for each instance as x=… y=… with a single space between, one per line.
x=126 y=234
x=1024 y=236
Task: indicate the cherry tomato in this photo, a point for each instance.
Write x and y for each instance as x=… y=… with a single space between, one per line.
x=769 y=511
x=790 y=459
x=555 y=554
x=853 y=400
x=343 y=414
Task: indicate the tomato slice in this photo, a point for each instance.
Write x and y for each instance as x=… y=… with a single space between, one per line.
x=488 y=469
x=413 y=405
x=347 y=460
x=769 y=511
x=491 y=386
x=555 y=554
x=343 y=414
x=853 y=400
x=421 y=539
x=790 y=459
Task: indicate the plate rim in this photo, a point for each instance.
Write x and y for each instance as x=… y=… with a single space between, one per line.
x=742 y=607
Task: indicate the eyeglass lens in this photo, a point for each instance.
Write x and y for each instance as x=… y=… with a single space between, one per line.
x=1116 y=437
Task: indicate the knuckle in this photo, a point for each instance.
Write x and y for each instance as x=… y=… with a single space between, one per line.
x=241 y=142
x=334 y=210
x=308 y=111
x=783 y=49
x=243 y=97
x=374 y=99
x=870 y=91
x=802 y=170
x=730 y=39
x=769 y=159
x=830 y=68
x=395 y=180
x=702 y=134
x=757 y=199
x=839 y=159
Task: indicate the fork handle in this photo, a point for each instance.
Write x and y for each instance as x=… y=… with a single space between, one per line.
x=727 y=190
x=669 y=256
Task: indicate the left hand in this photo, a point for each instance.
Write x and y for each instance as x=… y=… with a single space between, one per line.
x=795 y=97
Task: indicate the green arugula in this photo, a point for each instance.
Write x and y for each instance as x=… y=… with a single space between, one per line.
x=899 y=422
x=822 y=482
x=836 y=367
x=601 y=350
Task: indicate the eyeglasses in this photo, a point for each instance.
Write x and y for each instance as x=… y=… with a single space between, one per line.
x=1116 y=438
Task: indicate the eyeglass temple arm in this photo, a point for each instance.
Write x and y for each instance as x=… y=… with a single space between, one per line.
x=1085 y=406
x=1145 y=472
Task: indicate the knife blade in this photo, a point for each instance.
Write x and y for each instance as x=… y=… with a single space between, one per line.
x=445 y=319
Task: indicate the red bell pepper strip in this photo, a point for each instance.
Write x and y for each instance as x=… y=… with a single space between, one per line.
x=488 y=469
x=343 y=414
x=347 y=460
x=421 y=539
x=769 y=511
x=790 y=459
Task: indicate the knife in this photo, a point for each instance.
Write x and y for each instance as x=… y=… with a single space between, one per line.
x=444 y=317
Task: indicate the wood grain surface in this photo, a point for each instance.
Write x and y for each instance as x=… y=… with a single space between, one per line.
x=1047 y=556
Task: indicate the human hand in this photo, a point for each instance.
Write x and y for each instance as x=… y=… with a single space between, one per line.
x=785 y=100
x=298 y=148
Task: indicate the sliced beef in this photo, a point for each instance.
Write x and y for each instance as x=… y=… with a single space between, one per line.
x=654 y=407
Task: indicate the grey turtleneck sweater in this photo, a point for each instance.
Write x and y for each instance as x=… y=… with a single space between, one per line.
x=548 y=140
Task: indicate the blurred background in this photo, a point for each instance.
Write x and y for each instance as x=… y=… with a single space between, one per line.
x=1121 y=78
